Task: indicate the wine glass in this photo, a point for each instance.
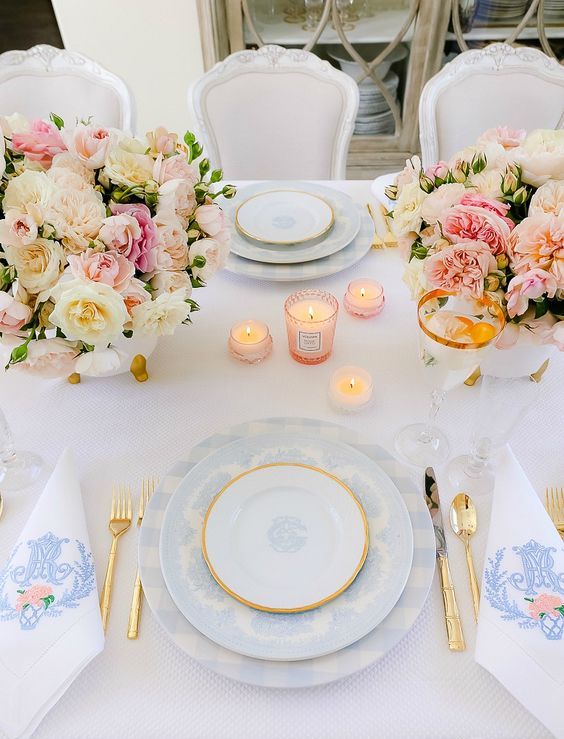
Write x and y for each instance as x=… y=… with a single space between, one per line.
x=502 y=405
x=313 y=10
x=18 y=469
x=454 y=331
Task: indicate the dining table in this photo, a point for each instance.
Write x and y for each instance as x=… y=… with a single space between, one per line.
x=122 y=431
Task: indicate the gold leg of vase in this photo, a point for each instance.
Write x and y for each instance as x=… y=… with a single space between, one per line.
x=74 y=379
x=473 y=378
x=537 y=376
x=138 y=368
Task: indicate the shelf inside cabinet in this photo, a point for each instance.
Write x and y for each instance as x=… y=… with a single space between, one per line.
x=499 y=33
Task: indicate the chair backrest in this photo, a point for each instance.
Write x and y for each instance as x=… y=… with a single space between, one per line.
x=499 y=85
x=45 y=79
x=276 y=113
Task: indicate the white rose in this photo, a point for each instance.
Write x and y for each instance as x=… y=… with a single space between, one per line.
x=414 y=278
x=178 y=196
x=541 y=156
x=496 y=156
x=15 y=123
x=410 y=173
x=29 y=192
x=66 y=160
x=407 y=209
x=161 y=316
x=88 y=311
x=18 y=228
x=437 y=202
x=101 y=362
x=129 y=169
x=172 y=252
x=77 y=216
x=169 y=281
x=549 y=198
x=38 y=265
x=488 y=183
x=48 y=358
x=214 y=252
x=66 y=179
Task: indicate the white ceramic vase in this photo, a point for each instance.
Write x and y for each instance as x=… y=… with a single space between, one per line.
x=127 y=350
x=525 y=357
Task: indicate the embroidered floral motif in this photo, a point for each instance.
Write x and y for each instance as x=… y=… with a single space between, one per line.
x=47 y=585
x=544 y=610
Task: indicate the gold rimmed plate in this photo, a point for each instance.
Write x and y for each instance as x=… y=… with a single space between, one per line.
x=284 y=217
x=285 y=537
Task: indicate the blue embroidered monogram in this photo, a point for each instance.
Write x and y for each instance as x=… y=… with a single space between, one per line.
x=43 y=562
x=538 y=569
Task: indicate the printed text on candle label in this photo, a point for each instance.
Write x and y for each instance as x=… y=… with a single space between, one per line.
x=309 y=341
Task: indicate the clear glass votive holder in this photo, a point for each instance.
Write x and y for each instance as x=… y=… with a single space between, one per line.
x=364 y=298
x=311 y=318
x=350 y=389
x=250 y=341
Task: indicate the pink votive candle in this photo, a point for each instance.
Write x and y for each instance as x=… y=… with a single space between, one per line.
x=250 y=341
x=364 y=298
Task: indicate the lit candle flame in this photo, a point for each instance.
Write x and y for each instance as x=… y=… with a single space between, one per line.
x=362 y=292
x=248 y=330
x=352 y=383
x=310 y=311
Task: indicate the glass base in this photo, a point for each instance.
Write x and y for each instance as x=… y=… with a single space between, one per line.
x=422 y=445
x=21 y=472
x=466 y=480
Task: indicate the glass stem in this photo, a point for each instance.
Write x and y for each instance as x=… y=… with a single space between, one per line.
x=479 y=457
x=437 y=397
x=7 y=450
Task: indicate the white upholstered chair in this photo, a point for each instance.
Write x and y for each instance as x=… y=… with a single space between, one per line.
x=499 y=85
x=275 y=113
x=45 y=79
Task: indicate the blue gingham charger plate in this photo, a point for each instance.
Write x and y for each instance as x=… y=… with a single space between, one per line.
x=345 y=228
x=305 y=673
x=351 y=254
x=286 y=636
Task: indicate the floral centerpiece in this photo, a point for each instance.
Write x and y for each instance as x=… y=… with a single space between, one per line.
x=490 y=220
x=103 y=239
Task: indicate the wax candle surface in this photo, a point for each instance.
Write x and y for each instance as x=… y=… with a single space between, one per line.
x=350 y=389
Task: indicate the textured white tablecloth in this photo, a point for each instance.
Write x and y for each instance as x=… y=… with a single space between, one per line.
x=121 y=431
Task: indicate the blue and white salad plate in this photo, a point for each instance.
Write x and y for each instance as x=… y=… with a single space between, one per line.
x=286 y=636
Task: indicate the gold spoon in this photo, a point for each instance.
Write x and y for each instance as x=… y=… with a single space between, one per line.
x=464 y=521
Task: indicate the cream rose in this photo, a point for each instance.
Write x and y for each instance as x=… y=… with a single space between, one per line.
x=214 y=252
x=407 y=210
x=29 y=192
x=440 y=200
x=87 y=311
x=177 y=195
x=172 y=248
x=487 y=183
x=38 y=265
x=89 y=144
x=541 y=156
x=128 y=168
x=77 y=216
x=67 y=161
x=170 y=281
x=2 y=160
x=48 y=358
x=414 y=278
x=161 y=316
x=18 y=229
x=15 y=123
x=549 y=198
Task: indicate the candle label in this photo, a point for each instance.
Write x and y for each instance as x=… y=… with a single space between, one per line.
x=309 y=341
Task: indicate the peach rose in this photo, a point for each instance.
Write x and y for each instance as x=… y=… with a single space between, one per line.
x=13 y=314
x=527 y=286
x=549 y=198
x=467 y=222
x=18 y=229
x=89 y=144
x=161 y=141
x=437 y=203
x=121 y=233
x=460 y=268
x=509 y=138
x=134 y=294
x=109 y=267
x=40 y=143
x=172 y=248
x=410 y=172
x=172 y=168
x=215 y=254
x=538 y=241
x=48 y=358
x=177 y=195
x=210 y=218
x=495 y=206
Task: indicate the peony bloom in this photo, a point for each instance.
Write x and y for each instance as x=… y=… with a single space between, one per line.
x=29 y=192
x=77 y=216
x=523 y=287
x=214 y=252
x=38 y=265
x=170 y=281
x=410 y=172
x=13 y=314
x=128 y=168
x=509 y=138
x=538 y=241
x=549 y=198
x=172 y=248
x=545 y=604
x=70 y=163
x=109 y=267
x=541 y=156
x=437 y=203
x=89 y=144
x=144 y=251
x=18 y=229
x=460 y=268
x=172 y=168
x=87 y=311
x=177 y=195
x=161 y=316
x=33 y=596
x=161 y=141
x=407 y=210
x=40 y=143
x=467 y=222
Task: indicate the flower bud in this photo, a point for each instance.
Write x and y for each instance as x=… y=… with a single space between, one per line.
x=391 y=192
x=151 y=187
x=458 y=174
x=479 y=162
x=502 y=261
x=45 y=314
x=509 y=183
x=516 y=170
x=521 y=195
x=426 y=183
x=491 y=283
x=229 y=191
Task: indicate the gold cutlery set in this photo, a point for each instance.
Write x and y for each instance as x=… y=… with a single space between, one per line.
x=120 y=522
x=554 y=504
x=383 y=237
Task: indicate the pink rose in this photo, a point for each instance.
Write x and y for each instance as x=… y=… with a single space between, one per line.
x=210 y=219
x=555 y=335
x=47 y=358
x=538 y=241
x=33 y=596
x=438 y=170
x=437 y=204
x=172 y=251
x=13 y=314
x=509 y=138
x=18 y=228
x=172 y=168
x=529 y=285
x=410 y=173
x=495 y=206
x=545 y=603
x=145 y=247
x=109 y=267
x=121 y=233
x=40 y=143
x=135 y=294
x=161 y=141
x=89 y=144
x=465 y=222
x=178 y=195
x=460 y=268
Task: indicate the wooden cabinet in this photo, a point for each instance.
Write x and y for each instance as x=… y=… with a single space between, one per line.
x=391 y=48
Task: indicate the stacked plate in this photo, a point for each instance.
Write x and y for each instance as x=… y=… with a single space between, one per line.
x=282 y=553
x=294 y=231
x=501 y=11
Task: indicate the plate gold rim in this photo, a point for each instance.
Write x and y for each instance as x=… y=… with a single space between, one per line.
x=298 y=609
x=285 y=243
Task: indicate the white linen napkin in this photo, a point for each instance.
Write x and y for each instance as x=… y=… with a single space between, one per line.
x=50 y=625
x=520 y=636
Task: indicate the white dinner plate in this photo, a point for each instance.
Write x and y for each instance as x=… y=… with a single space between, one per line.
x=282 y=674
x=286 y=636
x=285 y=537
x=345 y=228
x=284 y=217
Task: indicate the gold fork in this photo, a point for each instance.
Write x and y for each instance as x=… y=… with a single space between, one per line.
x=147 y=489
x=554 y=504
x=120 y=521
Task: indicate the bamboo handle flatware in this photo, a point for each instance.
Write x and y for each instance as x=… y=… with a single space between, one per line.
x=464 y=522
x=147 y=489
x=120 y=521
x=554 y=504
x=382 y=234
x=452 y=617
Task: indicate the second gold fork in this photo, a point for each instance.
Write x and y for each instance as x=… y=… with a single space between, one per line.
x=120 y=521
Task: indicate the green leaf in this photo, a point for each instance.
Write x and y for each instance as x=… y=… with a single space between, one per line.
x=21 y=592
x=57 y=120
x=541 y=307
x=128 y=333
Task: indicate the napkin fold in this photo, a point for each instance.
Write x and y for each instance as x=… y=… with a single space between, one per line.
x=50 y=625
x=520 y=636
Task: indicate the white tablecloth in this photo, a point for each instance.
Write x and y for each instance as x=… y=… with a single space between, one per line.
x=122 y=431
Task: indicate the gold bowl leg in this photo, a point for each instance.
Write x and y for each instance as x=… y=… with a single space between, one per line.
x=138 y=368
x=74 y=379
x=471 y=379
x=537 y=376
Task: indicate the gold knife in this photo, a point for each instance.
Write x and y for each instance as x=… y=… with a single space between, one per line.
x=452 y=616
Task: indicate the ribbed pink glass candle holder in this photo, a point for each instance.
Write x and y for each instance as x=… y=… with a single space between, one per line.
x=364 y=298
x=250 y=341
x=311 y=318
